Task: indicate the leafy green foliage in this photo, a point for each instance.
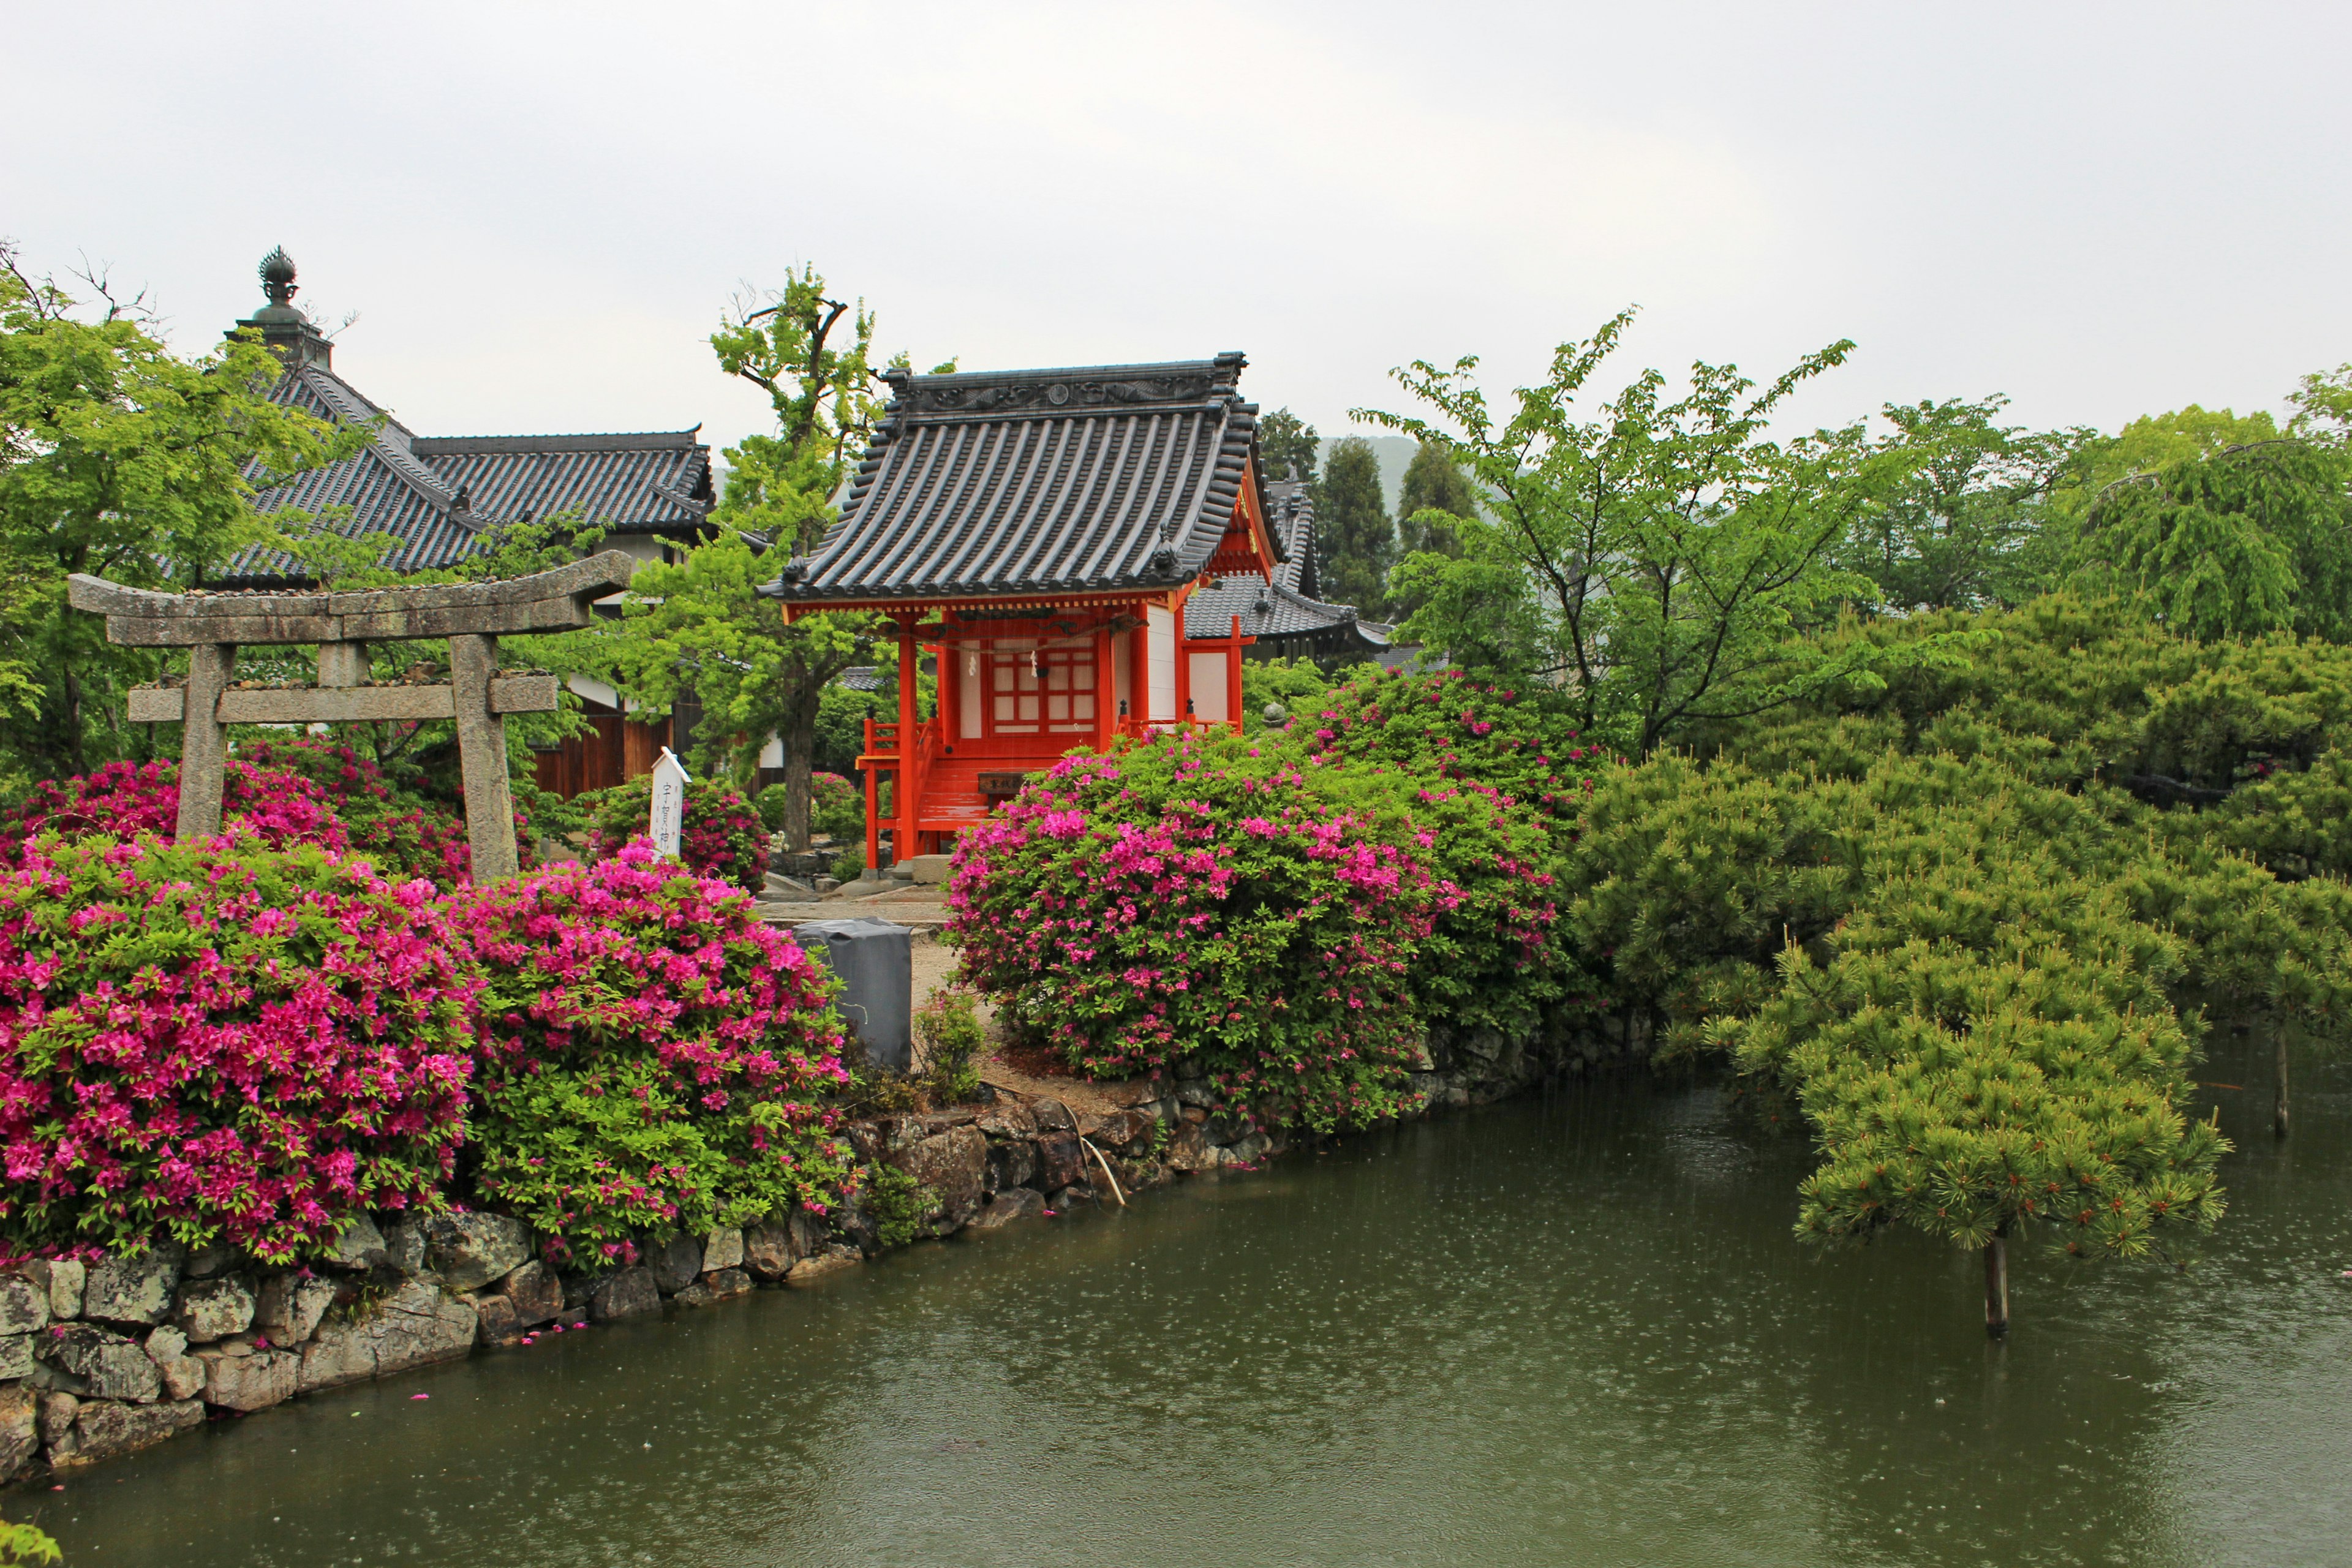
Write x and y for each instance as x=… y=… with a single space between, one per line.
x=116 y=457
x=948 y=1028
x=2155 y=441
x=1963 y=521
x=1659 y=557
x=2250 y=540
x=842 y=712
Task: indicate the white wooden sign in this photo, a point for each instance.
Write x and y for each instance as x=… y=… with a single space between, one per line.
x=669 y=803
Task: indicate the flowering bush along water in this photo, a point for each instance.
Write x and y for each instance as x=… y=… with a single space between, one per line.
x=651 y=1058
x=1283 y=915
x=221 y=1040
x=259 y=1038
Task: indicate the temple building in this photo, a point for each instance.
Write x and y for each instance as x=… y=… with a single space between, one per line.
x=1282 y=615
x=441 y=498
x=1082 y=552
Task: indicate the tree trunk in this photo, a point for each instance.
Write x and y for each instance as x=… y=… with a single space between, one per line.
x=1996 y=1262
x=2278 y=1105
x=799 y=736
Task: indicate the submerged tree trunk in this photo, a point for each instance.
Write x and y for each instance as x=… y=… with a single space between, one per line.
x=1996 y=1262
x=2278 y=1106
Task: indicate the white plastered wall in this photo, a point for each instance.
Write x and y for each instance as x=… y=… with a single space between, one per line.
x=1160 y=628
x=1208 y=686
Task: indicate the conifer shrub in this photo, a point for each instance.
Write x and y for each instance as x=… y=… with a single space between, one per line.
x=1196 y=906
x=651 y=1058
x=1964 y=979
x=720 y=834
x=221 y=1041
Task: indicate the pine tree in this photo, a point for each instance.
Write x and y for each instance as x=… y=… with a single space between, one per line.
x=1357 y=540
x=1287 y=445
x=1433 y=484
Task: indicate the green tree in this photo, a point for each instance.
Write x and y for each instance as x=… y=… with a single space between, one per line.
x=1957 y=530
x=2248 y=540
x=120 y=458
x=1287 y=445
x=2151 y=442
x=1432 y=501
x=700 y=624
x=1353 y=535
x=1655 y=559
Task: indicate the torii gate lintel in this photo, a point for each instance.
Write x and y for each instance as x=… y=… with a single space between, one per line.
x=472 y=615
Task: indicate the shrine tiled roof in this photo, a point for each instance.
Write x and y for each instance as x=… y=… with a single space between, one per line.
x=437 y=496
x=1037 y=482
x=1285 y=612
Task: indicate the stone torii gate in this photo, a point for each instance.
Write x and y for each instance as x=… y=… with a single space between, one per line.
x=472 y=616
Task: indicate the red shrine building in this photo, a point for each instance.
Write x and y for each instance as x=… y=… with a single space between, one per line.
x=1041 y=533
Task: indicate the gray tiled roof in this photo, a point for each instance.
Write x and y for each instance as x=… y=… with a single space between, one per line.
x=1290 y=511
x=1038 y=481
x=1268 y=610
x=438 y=495
x=1285 y=612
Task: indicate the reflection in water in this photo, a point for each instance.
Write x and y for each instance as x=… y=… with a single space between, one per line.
x=1575 y=1332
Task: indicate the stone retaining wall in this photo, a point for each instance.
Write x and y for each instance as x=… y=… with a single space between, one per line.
x=102 y=1359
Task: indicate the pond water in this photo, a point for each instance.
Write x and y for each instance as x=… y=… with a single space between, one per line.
x=1573 y=1331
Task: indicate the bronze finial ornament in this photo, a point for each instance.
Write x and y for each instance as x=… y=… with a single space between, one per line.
x=278 y=276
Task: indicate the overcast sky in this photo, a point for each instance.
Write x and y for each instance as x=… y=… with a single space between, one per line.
x=2103 y=210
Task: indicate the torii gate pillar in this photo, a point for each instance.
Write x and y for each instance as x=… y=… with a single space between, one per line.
x=211 y=626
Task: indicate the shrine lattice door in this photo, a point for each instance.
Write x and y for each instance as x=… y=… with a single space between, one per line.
x=1036 y=693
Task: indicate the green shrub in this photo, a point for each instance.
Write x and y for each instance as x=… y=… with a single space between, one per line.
x=771 y=807
x=900 y=1205
x=836 y=806
x=948 y=1028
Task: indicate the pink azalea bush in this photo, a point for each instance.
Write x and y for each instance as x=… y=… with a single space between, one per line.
x=1449 y=726
x=273 y=808
x=1496 y=788
x=651 y=1058
x=720 y=834
x=404 y=835
x=220 y=1040
x=1194 y=906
